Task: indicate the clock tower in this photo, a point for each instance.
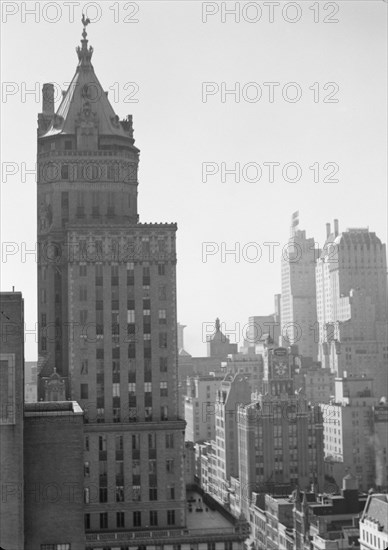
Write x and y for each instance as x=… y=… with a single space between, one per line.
x=278 y=372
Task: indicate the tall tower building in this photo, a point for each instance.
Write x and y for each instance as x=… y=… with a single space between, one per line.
x=298 y=296
x=351 y=276
x=107 y=309
x=280 y=435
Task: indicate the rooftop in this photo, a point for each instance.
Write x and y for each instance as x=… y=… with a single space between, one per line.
x=52 y=408
x=376 y=510
x=202 y=517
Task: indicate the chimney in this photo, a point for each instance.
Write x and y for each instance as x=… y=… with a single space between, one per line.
x=328 y=230
x=336 y=231
x=48 y=99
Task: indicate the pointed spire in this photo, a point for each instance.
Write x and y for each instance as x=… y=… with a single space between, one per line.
x=84 y=53
x=217 y=325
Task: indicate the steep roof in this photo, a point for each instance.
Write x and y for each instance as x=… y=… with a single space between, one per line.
x=376 y=509
x=85 y=95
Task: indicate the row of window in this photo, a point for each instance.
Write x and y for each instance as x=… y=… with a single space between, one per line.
x=135 y=494
x=84 y=390
x=138 y=519
x=135 y=442
x=163 y=366
x=135 y=467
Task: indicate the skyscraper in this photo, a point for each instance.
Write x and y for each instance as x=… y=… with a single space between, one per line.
x=351 y=275
x=107 y=308
x=298 y=296
x=280 y=435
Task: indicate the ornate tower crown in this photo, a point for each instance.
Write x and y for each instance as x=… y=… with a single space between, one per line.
x=84 y=53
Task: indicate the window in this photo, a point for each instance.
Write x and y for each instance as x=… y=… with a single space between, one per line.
x=87 y=521
x=65 y=171
x=82 y=270
x=83 y=293
x=170 y=492
x=162 y=316
x=120 y=519
x=170 y=465
x=153 y=493
x=163 y=364
x=164 y=412
x=169 y=441
x=131 y=316
x=147 y=387
x=136 y=494
x=153 y=518
x=152 y=441
x=163 y=340
x=84 y=366
x=119 y=493
x=131 y=350
x=163 y=389
x=116 y=390
x=162 y=292
x=102 y=443
x=161 y=269
x=84 y=391
x=115 y=275
x=136 y=442
x=152 y=467
x=119 y=443
x=104 y=520
x=86 y=469
x=103 y=494
x=137 y=519
x=86 y=443
x=170 y=517
x=83 y=317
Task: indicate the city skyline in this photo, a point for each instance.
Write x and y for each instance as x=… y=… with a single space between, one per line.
x=230 y=212
x=219 y=169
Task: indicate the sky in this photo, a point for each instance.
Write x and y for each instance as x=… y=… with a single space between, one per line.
x=309 y=95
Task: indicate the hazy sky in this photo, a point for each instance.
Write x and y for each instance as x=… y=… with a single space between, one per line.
x=169 y=53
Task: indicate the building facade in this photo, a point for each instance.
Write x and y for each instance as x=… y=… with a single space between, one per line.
x=11 y=420
x=200 y=407
x=107 y=309
x=298 y=296
x=234 y=391
x=374 y=523
x=355 y=433
x=218 y=344
x=280 y=435
x=351 y=281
